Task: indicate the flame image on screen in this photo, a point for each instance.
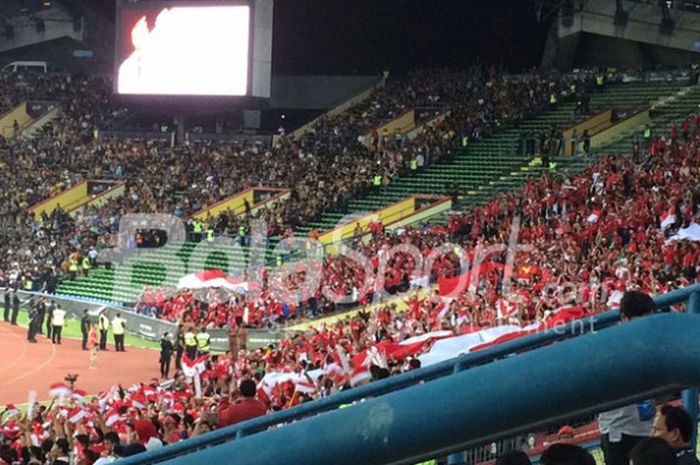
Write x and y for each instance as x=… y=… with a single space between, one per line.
x=189 y=51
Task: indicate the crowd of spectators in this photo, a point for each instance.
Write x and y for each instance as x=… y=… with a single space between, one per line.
x=324 y=169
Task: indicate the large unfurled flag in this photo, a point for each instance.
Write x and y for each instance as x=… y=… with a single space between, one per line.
x=192 y=368
x=691 y=233
x=668 y=219
x=594 y=216
x=59 y=390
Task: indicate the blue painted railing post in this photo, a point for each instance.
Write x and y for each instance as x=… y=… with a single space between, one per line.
x=690 y=396
x=458 y=458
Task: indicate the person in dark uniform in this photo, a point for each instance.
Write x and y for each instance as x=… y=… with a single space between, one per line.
x=41 y=313
x=49 y=319
x=85 y=328
x=179 y=347
x=32 y=323
x=15 y=307
x=8 y=297
x=166 y=353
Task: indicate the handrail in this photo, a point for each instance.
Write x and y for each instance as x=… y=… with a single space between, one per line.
x=661 y=365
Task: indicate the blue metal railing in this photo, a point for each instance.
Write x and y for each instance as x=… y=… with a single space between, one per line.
x=654 y=374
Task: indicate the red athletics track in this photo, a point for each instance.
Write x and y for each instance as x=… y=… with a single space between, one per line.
x=25 y=366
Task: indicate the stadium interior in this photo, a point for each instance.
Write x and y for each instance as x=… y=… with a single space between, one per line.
x=349 y=232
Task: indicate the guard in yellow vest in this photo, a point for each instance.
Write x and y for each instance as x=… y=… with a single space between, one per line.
x=73 y=268
x=190 y=344
x=203 y=339
x=118 y=330
x=86 y=265
x=197 y=228
x=377 y=183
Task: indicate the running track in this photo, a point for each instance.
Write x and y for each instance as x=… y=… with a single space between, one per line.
x=25 y=366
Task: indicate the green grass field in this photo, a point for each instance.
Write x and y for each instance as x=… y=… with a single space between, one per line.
x=71 y=330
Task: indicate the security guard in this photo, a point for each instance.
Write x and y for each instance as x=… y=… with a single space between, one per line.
x=203 y=339
x=190 y=344
x=553 y=100
x=599 y=81
x=197 y=229
x=210 y=234
x=118 y=330
x=103 y=326
x=414 y=165
x=73 y=268
x=647 y=134
x=86 y=265
x=377 y=183
x=241 y=234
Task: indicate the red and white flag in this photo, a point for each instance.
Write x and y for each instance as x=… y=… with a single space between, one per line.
x=78 y=395
x=506 y=309
x=59 y=390
x=76 y=414
x=304 y=386
x=11 y=410
x=138 y=400
x=112 y=417
x=594 y=216
x=192 y=368
x=668 y=219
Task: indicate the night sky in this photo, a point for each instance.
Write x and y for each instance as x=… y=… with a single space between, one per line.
x=366 y=36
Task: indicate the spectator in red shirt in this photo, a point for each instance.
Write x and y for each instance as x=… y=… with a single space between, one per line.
x=243 y=409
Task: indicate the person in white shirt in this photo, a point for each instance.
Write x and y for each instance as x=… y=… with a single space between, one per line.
x=58 y=317
x=623 y=428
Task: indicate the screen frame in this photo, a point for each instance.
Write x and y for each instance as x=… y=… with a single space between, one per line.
x=187 y=101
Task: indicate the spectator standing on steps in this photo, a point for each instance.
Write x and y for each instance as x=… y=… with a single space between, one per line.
x=118 y=330
x=57 y=320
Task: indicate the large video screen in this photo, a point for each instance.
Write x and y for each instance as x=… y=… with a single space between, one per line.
x=166 y=49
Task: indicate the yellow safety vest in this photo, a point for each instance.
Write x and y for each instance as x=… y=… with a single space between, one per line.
x=278 y=260
x=118 y=326
x=190 y=340
x=414 y=164
x=647 y=133
x=203 y=341
x=241 y=231
x=210 y=235
x=599 y=80
x=197 y=226
x=377 y=180
x=86 y=263
x=103 y=323
x=73 y=264
x=553 y=98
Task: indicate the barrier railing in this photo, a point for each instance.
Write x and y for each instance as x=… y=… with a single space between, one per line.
x=446 y=407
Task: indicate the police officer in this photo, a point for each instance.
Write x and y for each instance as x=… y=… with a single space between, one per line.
x=179 y=347
x=166 y=353
x=41 y=313
x=190 y=344
x=85 y=328
x=118 y=329
x=49 y=319
x=8 y=297
x=203 y=339
x=103 y=326
x=15 y=307
x=33 y=322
